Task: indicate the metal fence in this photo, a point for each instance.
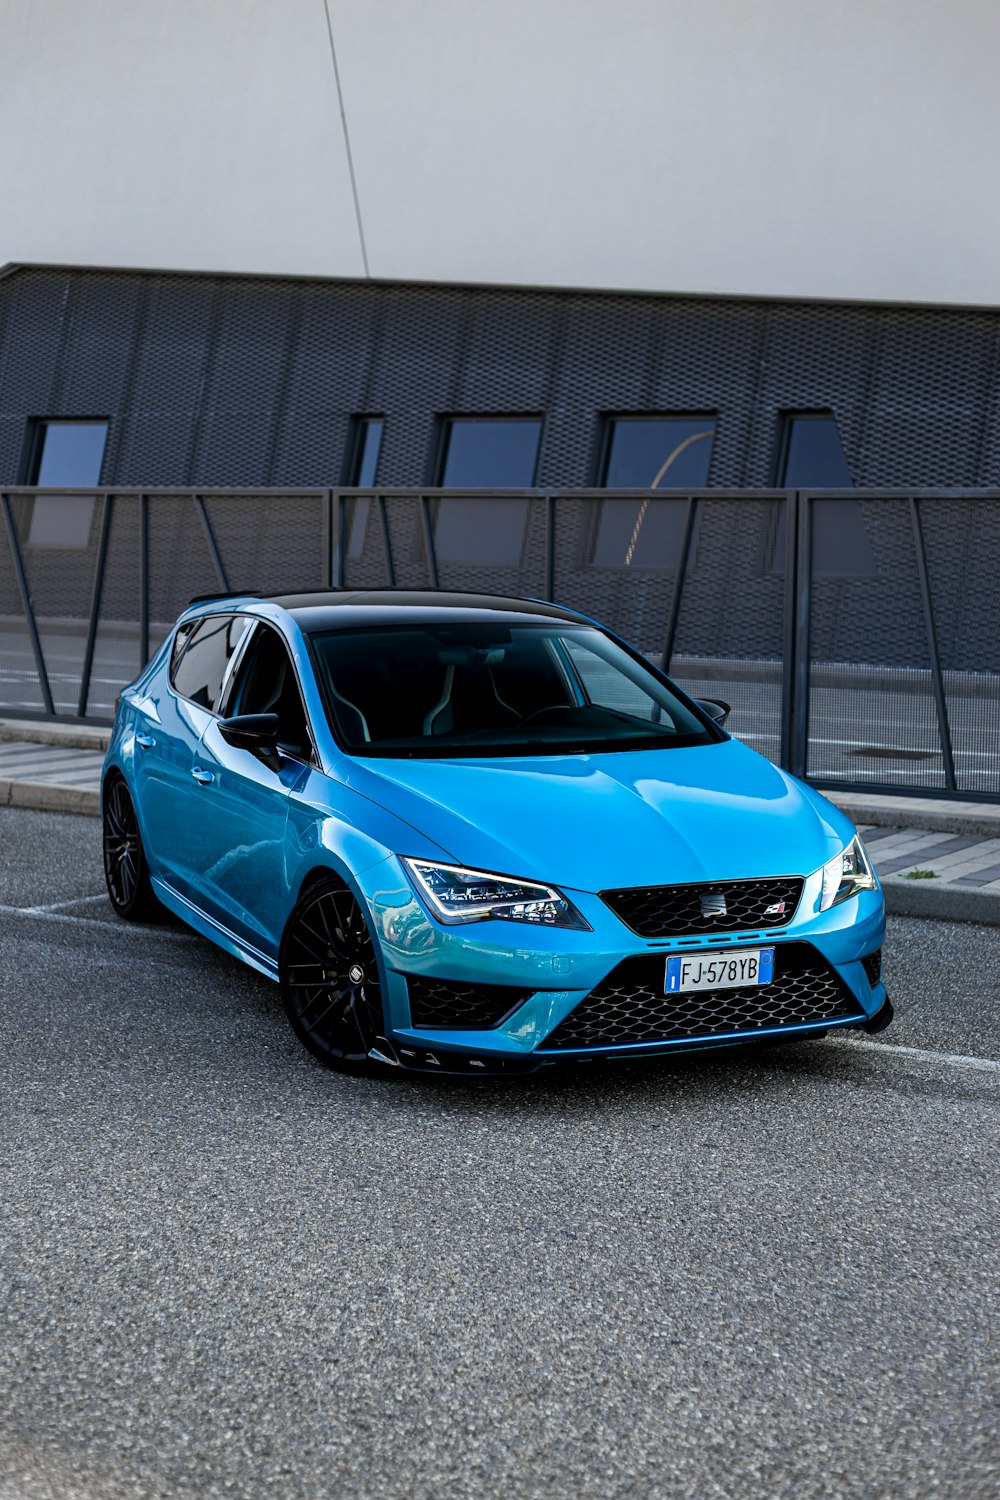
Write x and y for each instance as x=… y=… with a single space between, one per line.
x=856 y=634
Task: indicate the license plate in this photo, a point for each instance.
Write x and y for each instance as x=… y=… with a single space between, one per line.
x=719 y=971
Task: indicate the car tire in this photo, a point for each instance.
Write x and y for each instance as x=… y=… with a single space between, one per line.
x=331 y=979
x=126 y=871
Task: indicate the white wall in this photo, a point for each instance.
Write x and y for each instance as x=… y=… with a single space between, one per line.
x=764 y=147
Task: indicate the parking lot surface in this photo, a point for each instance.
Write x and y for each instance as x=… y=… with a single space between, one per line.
x=225 y=1271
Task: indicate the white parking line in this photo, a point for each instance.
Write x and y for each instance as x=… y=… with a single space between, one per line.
x=62 y=905
x=41 y=914
x=950 y=1059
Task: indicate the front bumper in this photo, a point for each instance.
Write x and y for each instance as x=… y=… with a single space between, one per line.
x=549 y=972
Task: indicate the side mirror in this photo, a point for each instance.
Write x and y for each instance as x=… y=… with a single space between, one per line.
x=717 y=710
x=257 y=733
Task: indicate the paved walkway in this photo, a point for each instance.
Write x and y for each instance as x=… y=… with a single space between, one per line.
x=961 y=861
x=53 y=777
x=952 y=859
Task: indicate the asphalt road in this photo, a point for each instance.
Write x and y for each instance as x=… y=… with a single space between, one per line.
x=225 y=1271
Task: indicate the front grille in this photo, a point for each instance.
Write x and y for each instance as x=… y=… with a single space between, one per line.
x=630 y=1006
x=457 y=1005
x=676 y=910
x=872 y=963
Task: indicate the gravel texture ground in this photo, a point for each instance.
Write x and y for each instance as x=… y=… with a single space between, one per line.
x=225 y=1271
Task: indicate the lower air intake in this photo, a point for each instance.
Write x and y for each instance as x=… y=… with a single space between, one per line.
x=457 y=1005
x=630 y=1006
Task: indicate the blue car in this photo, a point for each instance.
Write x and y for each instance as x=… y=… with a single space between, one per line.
x=477 y=834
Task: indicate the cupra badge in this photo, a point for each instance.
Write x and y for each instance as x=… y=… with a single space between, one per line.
x=713 y=904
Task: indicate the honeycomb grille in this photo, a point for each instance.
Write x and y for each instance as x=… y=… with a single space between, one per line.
x=873 y=966
x=630 y=1006
x=457 y=1005
x=676 y=910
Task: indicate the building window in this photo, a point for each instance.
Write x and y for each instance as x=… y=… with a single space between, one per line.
x=813 y=455
x=490 y=452
x=650 y=453
x=660 y=453
x=367 y=447
x=480 y=453
x=365 y=453
x=70 y=455
x=813 y=458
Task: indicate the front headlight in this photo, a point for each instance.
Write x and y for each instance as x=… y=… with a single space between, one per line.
x=455 y=894
x=846 y=875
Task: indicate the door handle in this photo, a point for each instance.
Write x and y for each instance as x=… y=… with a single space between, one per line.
x=203 y=776
x=145 y=741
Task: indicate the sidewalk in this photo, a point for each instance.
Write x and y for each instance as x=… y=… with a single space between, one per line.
x=53 y=768
x=956 y=845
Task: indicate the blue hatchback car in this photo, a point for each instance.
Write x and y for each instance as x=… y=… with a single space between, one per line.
x=472 y=834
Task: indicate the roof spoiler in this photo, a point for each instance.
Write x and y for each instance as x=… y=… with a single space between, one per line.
x=227 y=594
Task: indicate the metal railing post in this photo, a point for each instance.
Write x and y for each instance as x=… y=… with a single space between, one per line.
x=95 y=605
x=680 y=578
x=29 y=612
x=550 y=548
x=428 y=535
x=390 y=571
x=213 y=545
x=803 y=630
x=143 y=579
x=790 y=518
x=937 y=677
x=329 y=536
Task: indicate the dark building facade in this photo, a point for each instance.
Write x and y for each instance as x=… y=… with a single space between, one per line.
x=225 y=381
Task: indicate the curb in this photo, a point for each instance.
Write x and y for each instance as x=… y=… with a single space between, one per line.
x=981 y=819
x=946 y=903
x=41 y=796
x=68 y=736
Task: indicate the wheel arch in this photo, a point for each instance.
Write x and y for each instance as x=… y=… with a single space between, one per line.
x=320 y=873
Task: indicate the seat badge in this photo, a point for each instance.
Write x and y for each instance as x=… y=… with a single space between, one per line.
x=713 y=904
x=776 y=909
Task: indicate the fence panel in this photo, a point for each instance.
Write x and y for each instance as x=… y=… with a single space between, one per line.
x=855 y=634
x=872 y=715
x=962 y=545
x=731 y=637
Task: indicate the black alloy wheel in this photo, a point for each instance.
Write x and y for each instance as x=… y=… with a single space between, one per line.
x=125 y=868
x=330 y=978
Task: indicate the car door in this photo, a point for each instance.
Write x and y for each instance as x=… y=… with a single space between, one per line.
x=169 y=725
x=240 y=873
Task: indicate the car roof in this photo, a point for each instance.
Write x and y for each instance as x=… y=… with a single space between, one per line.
x=343 y=609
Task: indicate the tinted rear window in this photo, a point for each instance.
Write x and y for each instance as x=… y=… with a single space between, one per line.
x=198 y=672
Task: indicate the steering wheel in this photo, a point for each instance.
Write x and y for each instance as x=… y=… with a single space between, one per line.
x=550 y=708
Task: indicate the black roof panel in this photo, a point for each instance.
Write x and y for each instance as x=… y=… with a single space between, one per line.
x=333 y=607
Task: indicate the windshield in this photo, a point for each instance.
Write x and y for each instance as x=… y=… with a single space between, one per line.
x=484 y=689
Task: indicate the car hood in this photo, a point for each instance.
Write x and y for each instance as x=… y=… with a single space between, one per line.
x=591 y=822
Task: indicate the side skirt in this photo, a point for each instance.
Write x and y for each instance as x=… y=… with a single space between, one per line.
x=214 y=931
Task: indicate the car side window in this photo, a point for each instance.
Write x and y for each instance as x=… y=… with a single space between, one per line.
x=181 y=638
x=265 y=683
x=199 y=670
